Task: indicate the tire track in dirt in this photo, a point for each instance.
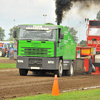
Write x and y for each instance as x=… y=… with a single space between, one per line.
x=13 y=85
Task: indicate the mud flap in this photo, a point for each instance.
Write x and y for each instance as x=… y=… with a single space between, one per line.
x=90 y=66
x=83 y=65
x=79 y=64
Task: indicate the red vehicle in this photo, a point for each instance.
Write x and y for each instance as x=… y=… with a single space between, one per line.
x=93 y=34
x=13 y=51
x=90 y=55
x=4 y=49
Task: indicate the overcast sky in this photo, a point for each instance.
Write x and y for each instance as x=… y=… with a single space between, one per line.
x=31 y=12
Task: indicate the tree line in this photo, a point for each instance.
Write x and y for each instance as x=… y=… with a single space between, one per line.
x=72 y=31
x=2 y=33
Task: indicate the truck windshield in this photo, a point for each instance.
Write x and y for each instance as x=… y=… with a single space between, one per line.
x=94 y=31
x=49 y=35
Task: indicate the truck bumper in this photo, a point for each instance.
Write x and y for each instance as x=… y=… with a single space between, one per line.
x=37 y=63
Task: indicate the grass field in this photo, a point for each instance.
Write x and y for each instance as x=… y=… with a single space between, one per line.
x=7 y=65
x=3 y=65
x=74 y=95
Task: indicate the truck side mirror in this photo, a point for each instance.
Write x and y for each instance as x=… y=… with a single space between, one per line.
x=61 y=36
x=14 y=34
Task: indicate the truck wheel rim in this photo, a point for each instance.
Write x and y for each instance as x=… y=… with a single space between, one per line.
x=71 y=70
x=0 y=53
x=60 y=69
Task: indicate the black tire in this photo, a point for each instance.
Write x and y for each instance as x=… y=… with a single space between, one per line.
x=59 y=72
x=90 y=70
x=3 y=53
x=0 y=52
x=23 y=72
x=70 y=72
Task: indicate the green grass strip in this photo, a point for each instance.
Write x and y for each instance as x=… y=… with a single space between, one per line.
x=74 y=95
x=4 y=58
x=7 y=65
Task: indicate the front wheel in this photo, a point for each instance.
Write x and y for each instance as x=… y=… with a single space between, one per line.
x=59 y=72
x=23 y=72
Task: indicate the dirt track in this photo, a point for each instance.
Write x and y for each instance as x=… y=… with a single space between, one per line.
x=13 y=85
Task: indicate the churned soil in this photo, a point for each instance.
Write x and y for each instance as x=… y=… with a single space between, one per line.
x=12 y=85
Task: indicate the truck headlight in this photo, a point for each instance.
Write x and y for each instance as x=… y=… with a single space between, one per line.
x=20 y=61
x=50 y=62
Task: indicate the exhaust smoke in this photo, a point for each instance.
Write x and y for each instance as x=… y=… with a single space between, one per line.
x=63 y=6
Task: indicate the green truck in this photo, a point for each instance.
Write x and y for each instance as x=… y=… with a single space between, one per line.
x=45 y=48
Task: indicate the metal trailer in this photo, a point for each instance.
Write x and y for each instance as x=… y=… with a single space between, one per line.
x=93 y=35
x=92 y=62
x=45 y=48
x=84 y=59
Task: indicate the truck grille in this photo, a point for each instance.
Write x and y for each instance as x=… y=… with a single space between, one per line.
x=36 y=51
x=35 y=62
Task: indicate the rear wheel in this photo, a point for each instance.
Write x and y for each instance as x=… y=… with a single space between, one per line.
x=3 y=53
x=90 y=70
x=23 y=72
x=0 y=53
x=70 y=72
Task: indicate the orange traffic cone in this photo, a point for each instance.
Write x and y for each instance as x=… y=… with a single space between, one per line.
x=55 y=89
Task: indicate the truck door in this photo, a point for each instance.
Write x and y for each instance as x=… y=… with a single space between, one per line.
x=60 y=43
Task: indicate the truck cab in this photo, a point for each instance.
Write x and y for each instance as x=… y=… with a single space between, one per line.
x=45 y=48
x=93 y=34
